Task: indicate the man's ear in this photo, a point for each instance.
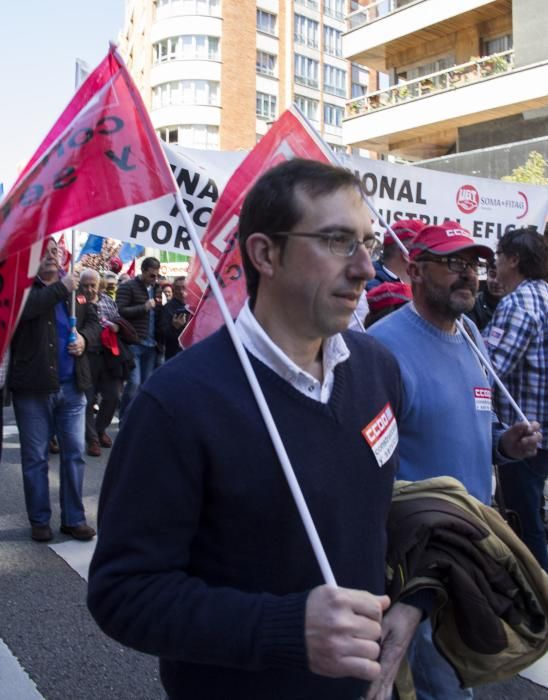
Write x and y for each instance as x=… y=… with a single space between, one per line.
x=262 y=252
x=414 y=271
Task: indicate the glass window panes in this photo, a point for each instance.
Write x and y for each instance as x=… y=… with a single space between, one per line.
x=306 y=71
x=334 y=8
x=306 y=31
x=307 y=106
x=187 y=7
x=191 y=135
x=177 y=92
x=360 y=80
x=332 y=40
x=332 y=114
x=265 y=106
x=266 y=63
x=497 y=45
x=193 y=46
x=334 y=80
x=266 y=22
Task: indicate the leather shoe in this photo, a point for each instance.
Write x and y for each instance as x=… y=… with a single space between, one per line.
x=79 y=532
x=94 y=449
x=54 y=446
x=105 y=440
x=41 y=533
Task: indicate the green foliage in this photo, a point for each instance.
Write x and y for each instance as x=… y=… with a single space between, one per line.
x=532 y=172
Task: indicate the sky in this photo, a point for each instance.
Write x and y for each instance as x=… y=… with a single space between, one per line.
x=40 y=41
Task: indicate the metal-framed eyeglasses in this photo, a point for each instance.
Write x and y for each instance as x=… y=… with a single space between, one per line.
x=456 y=264
x=339 y=243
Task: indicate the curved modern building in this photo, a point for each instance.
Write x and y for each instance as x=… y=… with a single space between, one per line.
x=215 y=73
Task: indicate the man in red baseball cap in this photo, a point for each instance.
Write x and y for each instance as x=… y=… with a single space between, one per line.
x=447 y=427
x=392 y=267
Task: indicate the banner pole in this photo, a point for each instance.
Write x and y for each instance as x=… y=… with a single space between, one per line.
x=292 y=481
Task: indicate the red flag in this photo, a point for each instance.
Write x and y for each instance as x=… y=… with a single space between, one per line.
x=101 y=155
x=289 y=137
x=131 y=269
x=65 y=255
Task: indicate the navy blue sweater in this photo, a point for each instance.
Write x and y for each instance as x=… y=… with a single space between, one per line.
x=201 y=558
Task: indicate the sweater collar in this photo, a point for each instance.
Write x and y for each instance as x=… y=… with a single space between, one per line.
x=260 y=345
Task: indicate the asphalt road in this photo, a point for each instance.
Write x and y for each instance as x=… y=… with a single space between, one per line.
x=43 y=616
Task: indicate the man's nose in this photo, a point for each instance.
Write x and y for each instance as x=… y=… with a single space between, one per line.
x=361 y=264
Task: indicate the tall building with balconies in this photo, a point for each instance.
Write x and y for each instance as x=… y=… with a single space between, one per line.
x=215 y=73
x=465 y=84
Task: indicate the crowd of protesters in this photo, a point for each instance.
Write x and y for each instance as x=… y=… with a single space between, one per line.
x=207 y=544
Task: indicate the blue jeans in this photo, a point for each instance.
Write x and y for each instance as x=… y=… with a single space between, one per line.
x=39 y=416
x=433 y=676
x=145 y=364
x=522 y=486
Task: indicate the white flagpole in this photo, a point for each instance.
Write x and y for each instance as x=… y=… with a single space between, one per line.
x=294 y=486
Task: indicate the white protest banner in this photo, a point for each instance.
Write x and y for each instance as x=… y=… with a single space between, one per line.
x=487 y=208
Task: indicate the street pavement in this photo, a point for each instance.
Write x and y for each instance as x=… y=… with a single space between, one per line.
x=50 y=647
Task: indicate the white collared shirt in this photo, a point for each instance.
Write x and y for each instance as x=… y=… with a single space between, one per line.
x=259 y=344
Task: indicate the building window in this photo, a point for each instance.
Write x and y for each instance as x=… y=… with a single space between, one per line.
x=191 y=135
x=306 y=71
x=165 y=8
x=312 y=4
x=193 y=46
x=496 y=45
x=308 y=107
x=170 y=134
x=186 y=92
x=332 y=41
x=334 y=8
x=266 y=22
x=334 y=80
x=265 y=106
x=306 y=31
x=360 y=80
x=337 y=148
x=426 y=68
x=266 y=63
x=332 y=115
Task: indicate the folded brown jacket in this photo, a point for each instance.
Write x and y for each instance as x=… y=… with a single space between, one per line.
x=490 y=615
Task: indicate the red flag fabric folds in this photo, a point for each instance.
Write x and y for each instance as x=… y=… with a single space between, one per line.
x=102 y=154
x=289 y=137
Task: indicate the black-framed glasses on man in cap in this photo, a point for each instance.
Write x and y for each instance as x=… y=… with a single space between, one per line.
x=456 y=264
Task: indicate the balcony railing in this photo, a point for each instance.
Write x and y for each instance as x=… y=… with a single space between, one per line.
x=375 y=10
x=442 y=81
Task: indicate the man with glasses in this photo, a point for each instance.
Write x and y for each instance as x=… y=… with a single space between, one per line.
x=203 y=559
x=517 y=341
x=446 y=426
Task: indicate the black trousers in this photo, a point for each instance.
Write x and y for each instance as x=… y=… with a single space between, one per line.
x=105 y=389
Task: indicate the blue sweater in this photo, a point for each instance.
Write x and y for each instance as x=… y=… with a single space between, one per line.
x=201 y=558
x=446 y=423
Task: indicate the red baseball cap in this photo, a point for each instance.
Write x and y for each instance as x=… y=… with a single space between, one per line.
x=404 y=230
x=115 y=264
x=444 y=239
x=388 y=294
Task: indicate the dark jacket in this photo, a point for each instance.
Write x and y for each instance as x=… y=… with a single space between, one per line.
x=131 y=298
x=170 y=334
x=490 y=618
x=483 y=310
x=33 y=364
x=380 y=276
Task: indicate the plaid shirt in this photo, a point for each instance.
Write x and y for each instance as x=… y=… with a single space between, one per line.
x=517 y=341
x=106 y=308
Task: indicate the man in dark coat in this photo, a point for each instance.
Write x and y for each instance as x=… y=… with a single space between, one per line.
x=49 y=374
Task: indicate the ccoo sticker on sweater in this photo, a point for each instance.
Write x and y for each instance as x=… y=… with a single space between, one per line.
x=382 y=434
x=495 y=335
x=482 y=397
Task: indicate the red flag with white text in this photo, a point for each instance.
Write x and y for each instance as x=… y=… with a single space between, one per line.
x=101 y=155
x=289 y=137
